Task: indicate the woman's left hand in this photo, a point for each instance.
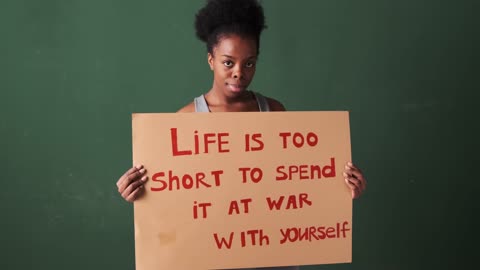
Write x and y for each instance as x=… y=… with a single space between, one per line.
x=355 y=180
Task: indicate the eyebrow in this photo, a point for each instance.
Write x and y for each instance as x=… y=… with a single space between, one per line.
x=229 y=56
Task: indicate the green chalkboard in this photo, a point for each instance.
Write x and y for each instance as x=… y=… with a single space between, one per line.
x=72 y=72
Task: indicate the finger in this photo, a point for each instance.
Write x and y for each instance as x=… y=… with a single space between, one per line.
x=356 y=173
x=353 y=181
x=138 y=167
x=350 y=184
x=135 y=194
x=363 y=183
x=352 y=166
x=358 y=177
x=120 y=180
x=133 y=186
x=131 y=171
x=132 y=177
x=353 y=188
x=354 y=184
x=356 y=194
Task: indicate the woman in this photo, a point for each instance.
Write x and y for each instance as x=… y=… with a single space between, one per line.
x=231 y=30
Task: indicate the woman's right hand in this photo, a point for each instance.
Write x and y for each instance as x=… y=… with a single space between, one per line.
x=131 y=183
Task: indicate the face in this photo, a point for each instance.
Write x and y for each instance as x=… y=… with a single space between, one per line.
x=233 y=64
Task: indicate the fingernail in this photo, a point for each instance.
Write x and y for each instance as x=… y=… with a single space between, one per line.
x=349 y=163
x=144 y=178
x=138 y=166
x=347 y=168
x=345 y=175
x=142 y=171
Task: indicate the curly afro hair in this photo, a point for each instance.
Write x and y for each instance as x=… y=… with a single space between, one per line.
x=219 y=18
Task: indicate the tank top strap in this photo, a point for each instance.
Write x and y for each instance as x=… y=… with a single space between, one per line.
x=201 y=104
x=262 y=102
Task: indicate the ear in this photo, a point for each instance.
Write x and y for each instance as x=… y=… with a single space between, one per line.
x=210 y=61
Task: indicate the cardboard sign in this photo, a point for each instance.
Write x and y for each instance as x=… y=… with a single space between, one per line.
x=239 y=190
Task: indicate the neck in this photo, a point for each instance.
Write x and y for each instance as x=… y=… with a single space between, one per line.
x=217 y=98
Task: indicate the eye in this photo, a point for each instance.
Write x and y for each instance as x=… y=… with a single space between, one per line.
x=228 y=63
x=250 y=64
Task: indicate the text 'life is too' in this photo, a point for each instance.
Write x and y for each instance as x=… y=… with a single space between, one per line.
x=219 y=142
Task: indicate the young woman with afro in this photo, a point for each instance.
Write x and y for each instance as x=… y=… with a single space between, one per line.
x=231 y=30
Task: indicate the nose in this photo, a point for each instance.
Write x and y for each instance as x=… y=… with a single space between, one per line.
x=238 y=73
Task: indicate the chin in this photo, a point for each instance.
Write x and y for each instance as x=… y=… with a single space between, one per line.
x=238 y=93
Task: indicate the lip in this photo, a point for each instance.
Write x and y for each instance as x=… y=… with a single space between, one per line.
x=236 y=87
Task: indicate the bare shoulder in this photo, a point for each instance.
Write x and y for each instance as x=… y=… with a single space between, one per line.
x=187 y=108
x=275 y=105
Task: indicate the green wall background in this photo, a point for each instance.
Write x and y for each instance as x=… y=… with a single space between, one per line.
x=72 y=72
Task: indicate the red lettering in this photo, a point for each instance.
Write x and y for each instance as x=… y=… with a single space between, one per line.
x=284 y=235
x=234 y=206
x=292 y=170
x=223 y=242
x=244 y=174
x=322 y=233
x=283 y=176
x=204 y=208
x=315 y=169
x=275 y=203
x=298 y=140
x=222 y=142
x=304 y=199
x=256 y=174
x=306 y=172
x=312 y=233
x=245 y=204
x=344 y=228
x=329 y=171
x=303 y=171
x=293 y=202
x=284 y=136
x=155 y=178
x=304 y=235
x=217 y=174
x=200 y=181
x=312 y=139
x=331 y=232
x=338 y=230
x=185 y=181
x=254 y=234
x=175 y=151
x=196 y=142
x=255 y=138
x=208 y=139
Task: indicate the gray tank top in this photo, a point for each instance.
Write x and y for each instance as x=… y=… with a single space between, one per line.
x=202 y=106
